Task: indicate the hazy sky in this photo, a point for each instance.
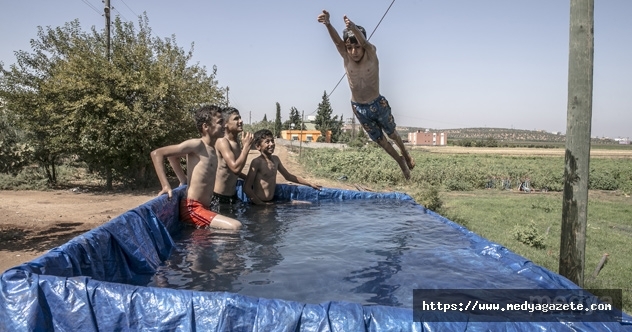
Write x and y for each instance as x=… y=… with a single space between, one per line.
x=443 y=63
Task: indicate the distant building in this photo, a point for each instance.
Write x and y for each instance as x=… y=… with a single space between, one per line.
x=428 y=138
x=623 y=140
x=304 y=135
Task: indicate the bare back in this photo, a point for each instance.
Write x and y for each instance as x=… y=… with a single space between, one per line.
x=201 y=168
x=226 y=180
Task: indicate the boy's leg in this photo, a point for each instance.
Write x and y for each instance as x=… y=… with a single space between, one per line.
x=401 y=160
x=194 y=212
x=220 y=221
x=400 y=144
x=374 y=130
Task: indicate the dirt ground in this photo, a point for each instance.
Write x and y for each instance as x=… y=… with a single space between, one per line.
x=33 y=222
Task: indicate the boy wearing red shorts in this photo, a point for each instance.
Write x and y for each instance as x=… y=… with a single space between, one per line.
x=201 y=169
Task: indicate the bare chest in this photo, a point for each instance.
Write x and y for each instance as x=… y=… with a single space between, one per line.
x=364 y=80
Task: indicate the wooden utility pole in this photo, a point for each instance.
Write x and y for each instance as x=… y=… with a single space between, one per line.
x=227 y=100
x=107 y=26
x=577 y=160
x=300 y=143
x=353 y=132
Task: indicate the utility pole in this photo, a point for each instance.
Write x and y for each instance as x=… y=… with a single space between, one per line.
x=577 y=159
x=107 y=26
x=227 y=101
x=109 y=164
x=300 y=139
x=353 y=133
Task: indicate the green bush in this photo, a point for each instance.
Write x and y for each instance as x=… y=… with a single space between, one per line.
x=429 y=198
x=607 y=180
x=529 y=235
x=29 y=178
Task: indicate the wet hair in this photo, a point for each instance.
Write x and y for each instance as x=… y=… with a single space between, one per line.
x=260 y=135
x=349 y=37
x=204 y=115
x=228 y=111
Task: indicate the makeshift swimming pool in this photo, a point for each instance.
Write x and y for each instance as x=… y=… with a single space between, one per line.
x=329 y=251
x=97 y=281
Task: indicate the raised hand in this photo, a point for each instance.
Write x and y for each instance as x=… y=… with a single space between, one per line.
x=348 y=22
x=246 y=139
x=324 y=17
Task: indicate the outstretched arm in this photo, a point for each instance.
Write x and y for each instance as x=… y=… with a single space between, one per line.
x=158 y=156
x=291 y=177
x=174 y=161
x=358 y=34
x=340 y=44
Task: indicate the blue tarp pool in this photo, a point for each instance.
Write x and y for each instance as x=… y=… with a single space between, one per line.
x=95 y=282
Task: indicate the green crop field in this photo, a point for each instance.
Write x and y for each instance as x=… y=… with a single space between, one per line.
x=478 y=188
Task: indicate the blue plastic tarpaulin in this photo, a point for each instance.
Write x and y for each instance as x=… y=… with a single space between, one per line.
x=95 y=282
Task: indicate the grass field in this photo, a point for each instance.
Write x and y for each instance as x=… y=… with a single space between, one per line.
x=498 y=215
x=607 y=151
x=451 y=181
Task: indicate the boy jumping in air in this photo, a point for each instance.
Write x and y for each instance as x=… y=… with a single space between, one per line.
x=371 y=108
x=201 y=169
x=261 y=179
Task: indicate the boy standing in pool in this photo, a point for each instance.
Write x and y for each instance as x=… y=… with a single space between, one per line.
x=371 y=108
x=231 y=157
x=261 y=179
x=201 y=169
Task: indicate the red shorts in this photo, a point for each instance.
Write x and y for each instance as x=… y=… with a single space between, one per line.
x=192 y=211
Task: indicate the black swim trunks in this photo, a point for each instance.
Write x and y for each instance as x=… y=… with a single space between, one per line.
x=219 y=198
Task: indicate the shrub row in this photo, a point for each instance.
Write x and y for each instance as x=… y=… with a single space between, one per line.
x=371 y=165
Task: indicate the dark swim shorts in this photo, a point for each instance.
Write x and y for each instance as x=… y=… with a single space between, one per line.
x=219 y=198
x=375 y=117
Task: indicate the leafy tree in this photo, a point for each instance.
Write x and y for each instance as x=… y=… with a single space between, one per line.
x=265 y=118
x=14 y=152
x=324 y=122
x=295 y=118
x=71 y=98
x=265 y=124
x=336 y=129
x=277 y=121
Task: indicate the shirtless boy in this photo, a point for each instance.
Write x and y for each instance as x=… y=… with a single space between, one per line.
x=231 y=157
x=201 y=169
x=371 y=108
x=261 y=179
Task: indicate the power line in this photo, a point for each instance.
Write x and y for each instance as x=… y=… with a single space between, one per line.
x=91 y=6
x=121 y=14
x=371 y=35
x=130 y=9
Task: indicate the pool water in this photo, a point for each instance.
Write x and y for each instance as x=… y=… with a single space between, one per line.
x=362 y=251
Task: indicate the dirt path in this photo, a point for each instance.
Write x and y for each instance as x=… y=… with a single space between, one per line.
x=33 y=222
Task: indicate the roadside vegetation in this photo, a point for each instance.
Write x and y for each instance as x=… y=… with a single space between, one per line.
x=482 y=193
x=75 y=101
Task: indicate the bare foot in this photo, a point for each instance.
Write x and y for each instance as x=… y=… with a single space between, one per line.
x=404 y=167
x=409 y=161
